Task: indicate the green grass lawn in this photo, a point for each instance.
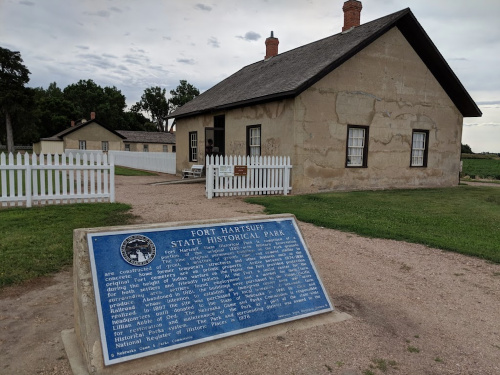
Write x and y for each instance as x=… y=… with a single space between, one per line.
x=122 y=171
x=465 y=219
x=484 y=168
x=39 y=241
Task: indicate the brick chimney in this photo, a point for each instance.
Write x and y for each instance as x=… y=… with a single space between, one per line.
x=92 y=116
x=271 y=46
x=72 y=123
x=352 y=14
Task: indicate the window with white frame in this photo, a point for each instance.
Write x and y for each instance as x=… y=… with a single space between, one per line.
x=105 y=145
x=165 y=148
x=419 y=148
x=127 y=146
x=82 y=145
x=145 y=148
x=193 y=146
x=253 y=140
x=357 y=146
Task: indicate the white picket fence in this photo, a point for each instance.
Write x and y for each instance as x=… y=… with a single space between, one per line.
x=265 y=175
x=56 y=179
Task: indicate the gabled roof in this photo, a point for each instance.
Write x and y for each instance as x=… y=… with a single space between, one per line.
x=290 y=73
x=147 y=137
x=59 y=136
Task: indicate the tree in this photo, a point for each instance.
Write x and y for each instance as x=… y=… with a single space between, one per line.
x=108 y=103
x=14 y=96
x=54 y=112
x=466 y=149
x=184 y=93
x=155 y=104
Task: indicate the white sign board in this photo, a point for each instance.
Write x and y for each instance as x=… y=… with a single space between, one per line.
x=226 y=170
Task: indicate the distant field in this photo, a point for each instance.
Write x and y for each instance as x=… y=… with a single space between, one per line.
x=484 y=168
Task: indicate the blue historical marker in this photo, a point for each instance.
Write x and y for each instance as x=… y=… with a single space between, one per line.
x=163 y=289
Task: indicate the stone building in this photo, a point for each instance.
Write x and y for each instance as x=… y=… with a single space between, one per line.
x=375 y=106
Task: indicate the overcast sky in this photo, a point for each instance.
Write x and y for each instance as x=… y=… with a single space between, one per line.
x=134 y=44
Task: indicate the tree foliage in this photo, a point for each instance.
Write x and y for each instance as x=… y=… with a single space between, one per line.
x=466 y=149
x=39 y=113
x=15 y=98
x=155 y=104
x=184 y=93
x=108 y=103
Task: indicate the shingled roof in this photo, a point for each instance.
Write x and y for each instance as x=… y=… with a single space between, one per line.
x=59 y=136
x=147 y=137
x=290 y=73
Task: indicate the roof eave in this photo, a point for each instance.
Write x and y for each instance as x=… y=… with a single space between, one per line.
x=243 y=103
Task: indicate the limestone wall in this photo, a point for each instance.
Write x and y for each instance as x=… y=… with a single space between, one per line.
x=275 y=118
x=389 y=89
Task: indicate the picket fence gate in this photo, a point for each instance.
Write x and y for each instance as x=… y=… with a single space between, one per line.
x=265 y=175
x=56 y=179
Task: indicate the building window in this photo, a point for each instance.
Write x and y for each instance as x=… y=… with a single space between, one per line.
x=165 y=148
x=105 y=145
x=419 y=148
x=357 y=146
x=127 y=146
x=173 y=149
x=253 y=140
x=193 y=146
x=82 y=145
x=145 y=148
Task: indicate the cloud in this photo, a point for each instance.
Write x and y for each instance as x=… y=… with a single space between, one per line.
x=249 y=36
x=490 y=124
x=493 y=102
x=458 y=59
x=186 y=61
x=82 y=47
x=167 y=38
x=96 y=60
x=203 y=7
x=213 y=42
x=109 y=56
x=28 y=3
x=115 y=9
x=100 y=13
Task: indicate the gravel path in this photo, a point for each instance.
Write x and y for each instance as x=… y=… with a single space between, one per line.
x=416 y=310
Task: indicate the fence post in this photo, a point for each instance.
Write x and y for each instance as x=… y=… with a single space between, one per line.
x=111 y=178
x=286 y=176
x=27 y=180
x=210 y=177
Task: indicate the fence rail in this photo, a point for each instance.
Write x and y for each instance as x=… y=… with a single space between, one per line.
x=55 y=179
x=264 y=175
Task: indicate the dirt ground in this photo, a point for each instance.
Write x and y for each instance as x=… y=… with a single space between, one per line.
x=416 y=310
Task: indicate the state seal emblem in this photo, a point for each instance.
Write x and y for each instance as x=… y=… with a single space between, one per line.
x=138 y=250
